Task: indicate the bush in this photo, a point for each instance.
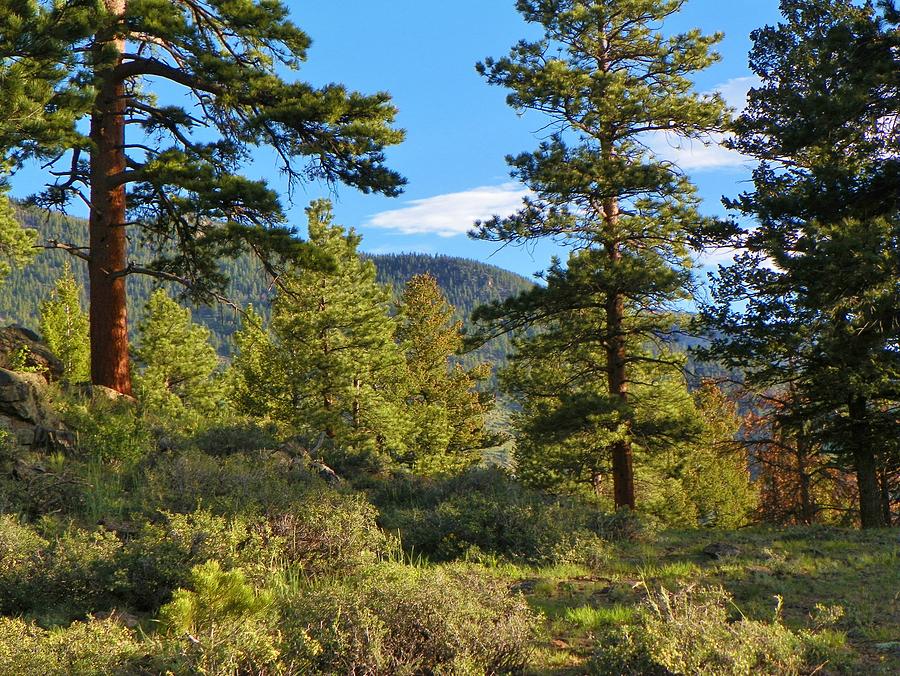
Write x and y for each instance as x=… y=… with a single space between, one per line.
x=235 y=436
x=159 y=559
x=80 y=571
x=21 y=555
x=228 y=625
x=184 y=481
x=690 y=632
x=395 y=619
x=327 y=532
x=485 y=512
x=94 y=648
x=109 y=431
x=67 y=576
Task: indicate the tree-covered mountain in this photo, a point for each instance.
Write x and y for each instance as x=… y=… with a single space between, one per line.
x=467 y=283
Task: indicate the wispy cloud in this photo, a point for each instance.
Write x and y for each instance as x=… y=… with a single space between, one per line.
x=699 y=156
x=452 y=213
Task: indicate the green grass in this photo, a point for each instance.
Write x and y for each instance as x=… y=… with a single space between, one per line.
x=811 y=570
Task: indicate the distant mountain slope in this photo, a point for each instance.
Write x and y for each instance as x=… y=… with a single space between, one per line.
x=466 y=283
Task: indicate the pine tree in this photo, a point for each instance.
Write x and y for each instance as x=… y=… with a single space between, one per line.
x=715 y=469
x=255 y=382
x=64 y=326
x=29 y=70
x=445 y=407
x=812 y=305
x=177 y=365
x=606 y=79
x=155 y=169
x=339 y=370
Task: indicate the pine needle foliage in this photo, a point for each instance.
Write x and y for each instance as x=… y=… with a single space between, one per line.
x=608 y=82
x=809 y=310
x=337 y=368
x=446 y=408
x=178 y=366
x=64 y=326
x=90 y=95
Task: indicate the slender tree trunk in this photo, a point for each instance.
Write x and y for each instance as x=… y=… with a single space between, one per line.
x=807 y=508
x=617 y=379
x=885 y=484
x=622 y=460
x=597 y=483
x=870 y=513
x=327 y=399
x=108 y=244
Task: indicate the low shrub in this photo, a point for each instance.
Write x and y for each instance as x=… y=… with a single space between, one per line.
x=486 y=513
x=22 y=551
x=79 y=572
x=108 y=431
x=66 y=576
x=159 y=559
x=184 y=481
x=93 y=648
x=691 y=632
x=235 y=436
x=394 y=619
x=327 y=533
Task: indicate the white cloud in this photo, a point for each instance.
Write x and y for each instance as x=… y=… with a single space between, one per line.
x=693 y=155
x=453 y=213
x=735 y=91
x=713 y=258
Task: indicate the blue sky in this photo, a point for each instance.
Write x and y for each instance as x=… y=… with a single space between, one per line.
x=459 y=129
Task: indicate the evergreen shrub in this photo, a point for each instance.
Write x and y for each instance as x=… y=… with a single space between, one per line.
x=394 y=619
x=486 y=512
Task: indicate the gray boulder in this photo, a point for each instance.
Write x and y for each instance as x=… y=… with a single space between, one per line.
x=25 y=414
x=37 y=355
x=721 y=550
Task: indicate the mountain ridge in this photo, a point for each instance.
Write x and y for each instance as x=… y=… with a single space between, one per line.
x=467 y=283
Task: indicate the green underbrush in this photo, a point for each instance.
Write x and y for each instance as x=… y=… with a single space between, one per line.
x=223 y=550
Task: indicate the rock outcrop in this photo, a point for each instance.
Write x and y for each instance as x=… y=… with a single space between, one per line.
x=18 y=343
x=25 y=414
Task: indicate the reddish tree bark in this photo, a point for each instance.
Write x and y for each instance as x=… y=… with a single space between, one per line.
x=108 y=243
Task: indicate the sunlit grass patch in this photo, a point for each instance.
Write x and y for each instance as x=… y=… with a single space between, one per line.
x=595 y=617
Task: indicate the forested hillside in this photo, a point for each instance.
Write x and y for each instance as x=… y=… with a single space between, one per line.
x=466 y=283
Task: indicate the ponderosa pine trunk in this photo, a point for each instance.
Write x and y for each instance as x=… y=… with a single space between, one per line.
x=108 y=243
x=865 y=464
x=616 y=359
x=622 y=460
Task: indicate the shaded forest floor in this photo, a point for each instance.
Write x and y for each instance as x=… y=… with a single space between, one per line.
x=858 y=571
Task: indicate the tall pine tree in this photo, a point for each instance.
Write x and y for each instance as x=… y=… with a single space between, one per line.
x=812 y=305
x=153 y=106
x=607 y=80
x=338 y=369
x=444 y=405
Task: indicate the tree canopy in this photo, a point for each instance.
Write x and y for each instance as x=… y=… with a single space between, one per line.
x=115 y=132
x=812 y=304
x=607 y=79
